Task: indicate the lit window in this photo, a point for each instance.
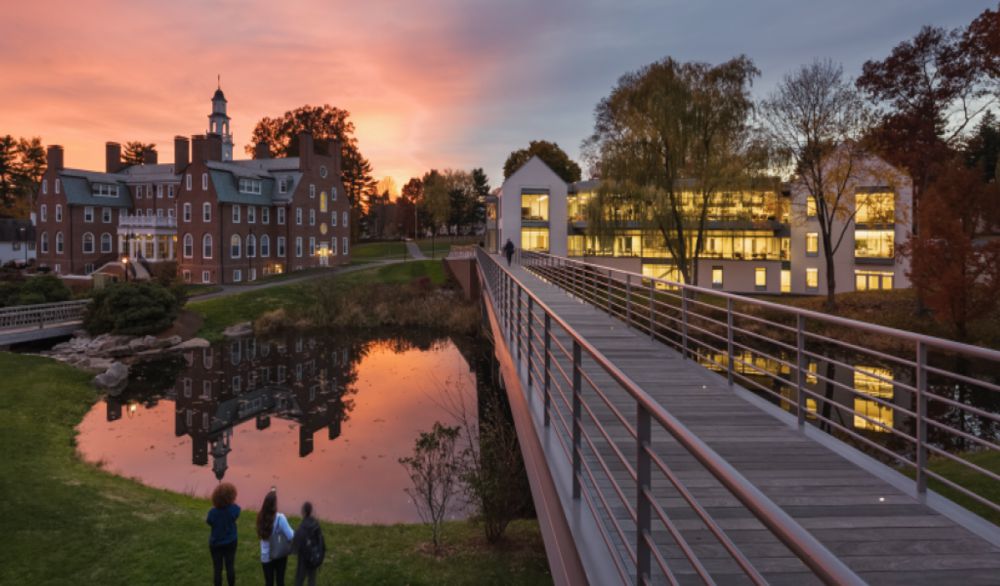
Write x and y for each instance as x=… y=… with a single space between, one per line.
x=880 y=416
x=717 y=277
x=322 y=202
x=535 y=239
x=875 y=208
x=873 y=280
x=786 y=281
x=874 y=243
x=535 y=206
x=760 y=278
x=812 y=278
x=873 y=380
x=810 y=206
x=812 y=243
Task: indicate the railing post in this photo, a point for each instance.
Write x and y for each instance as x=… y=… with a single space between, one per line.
x=531 y=306
x=800 y=361
x=684 y=322
x=577 y=415
x=652 y=316
x=729 y=340
x=609 y=292
x=921 y=418
x=517 y=316
x=643 y=509
x=628 y=300
x=548 y=363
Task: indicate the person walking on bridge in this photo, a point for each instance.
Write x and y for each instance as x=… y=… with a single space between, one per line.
x=508 y=251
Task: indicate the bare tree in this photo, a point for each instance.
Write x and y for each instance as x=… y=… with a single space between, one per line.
x=435 y=468
x=814 y=123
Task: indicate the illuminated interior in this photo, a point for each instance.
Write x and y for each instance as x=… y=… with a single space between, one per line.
x=786 y=281
x=535 y=206
x=665 y=272
x=874 y=411
x=872 y=280
x=873 y=243
x=812 y=243
x=535 y=239
x=812 y=278
x=875 y=208
x=868 y=380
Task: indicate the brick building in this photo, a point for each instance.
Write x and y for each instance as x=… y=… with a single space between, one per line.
x=221 y=220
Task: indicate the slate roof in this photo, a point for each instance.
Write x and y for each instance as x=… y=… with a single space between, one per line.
x=78 y=190
x=227 y=188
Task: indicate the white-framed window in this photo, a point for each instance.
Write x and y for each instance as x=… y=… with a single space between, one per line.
x=170 y=193
x=139 y=212
x=149 y=211
x=187 y=182
x=237 y=277
x=265 y=245
x=206 y=276
x=333 y=245
x=251 y=246
x=186 y=210
x=188 y=246
x=45 y=242
x=106 y=243
x=206 y=246
x=298 y=216
x=280 y=246
x=344 y=222
x=265 y=215
x=170 y=212
x=717 y=277
x=59 y=212
x=88 y=214
x=251 y=214
x=159 y=212
x=333 y=193
x=252 y=277
x=59 y=242
x=159 y=191
x=106 y=215
x=186 y=275
x=88 y=268
x=812 y=243
x=57 y=268
x=58 y=184
x=45 y=186
x=312 y=191
x=206 y=212
x=43 y=212
x=236 y=214
x=281 y=216
x=312 y=246
x=235 y=246
x=312 y=217
x=298 y=246
x=88 y=243
x=204 y=181
x=249 y=185
x=812 y=278
x=283 y=185
x=345 y=242
x=106 y=190
x=333 y=219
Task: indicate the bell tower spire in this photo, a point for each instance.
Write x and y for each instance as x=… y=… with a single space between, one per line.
x=218 y=121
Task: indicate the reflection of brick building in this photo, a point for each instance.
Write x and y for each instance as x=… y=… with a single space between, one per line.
x=296 y=378
x=221 y=220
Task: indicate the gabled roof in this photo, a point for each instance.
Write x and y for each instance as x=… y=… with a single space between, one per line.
x=227 y=188
x=79 y=190
x=534 y=162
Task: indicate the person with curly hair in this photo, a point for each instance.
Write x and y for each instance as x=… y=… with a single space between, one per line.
x=222 y=540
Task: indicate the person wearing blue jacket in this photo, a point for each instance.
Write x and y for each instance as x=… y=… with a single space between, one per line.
x=275 y=540
x=222 y=540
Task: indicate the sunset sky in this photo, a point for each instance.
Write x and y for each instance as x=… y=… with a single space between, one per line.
x=429 y=83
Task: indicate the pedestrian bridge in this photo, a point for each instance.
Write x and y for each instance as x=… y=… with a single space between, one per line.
x=28 y=323
x=677 y=435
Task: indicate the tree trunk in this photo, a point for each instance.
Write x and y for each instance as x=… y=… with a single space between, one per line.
x=831 y=281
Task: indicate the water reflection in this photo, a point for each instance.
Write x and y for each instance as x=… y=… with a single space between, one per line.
x=324 y=417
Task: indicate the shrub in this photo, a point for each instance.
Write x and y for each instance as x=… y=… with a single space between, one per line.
x=43 y=289
x=132 y=308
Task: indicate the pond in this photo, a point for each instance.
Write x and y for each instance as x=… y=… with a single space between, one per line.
x=324 y=418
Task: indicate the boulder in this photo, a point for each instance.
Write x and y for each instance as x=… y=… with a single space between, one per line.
x=114 y=378
x=138 y=345
x=238 y=330
x=192 y=344
x=168 y=342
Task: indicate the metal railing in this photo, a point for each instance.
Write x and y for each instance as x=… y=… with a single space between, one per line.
x=581 y=413
x=41 y=315
x=907 y=399
x=459 y=251
x=136 y=221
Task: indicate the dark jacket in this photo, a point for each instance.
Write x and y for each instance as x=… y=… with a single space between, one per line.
x=306 y=528
x=223 y=524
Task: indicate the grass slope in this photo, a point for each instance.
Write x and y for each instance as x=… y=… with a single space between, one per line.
x=68 y=522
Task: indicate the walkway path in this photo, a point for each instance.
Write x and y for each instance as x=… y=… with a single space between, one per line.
x=414 y=250
x=881 y=533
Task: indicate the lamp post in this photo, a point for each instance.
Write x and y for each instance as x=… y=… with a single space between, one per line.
x=24 y=243
x=125 y=267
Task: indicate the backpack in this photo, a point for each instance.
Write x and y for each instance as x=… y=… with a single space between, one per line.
x=314 y=548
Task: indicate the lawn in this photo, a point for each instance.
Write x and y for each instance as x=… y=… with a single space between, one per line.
x=222 y=312
x=68 y=522
x=369 y=251
x=441 y=245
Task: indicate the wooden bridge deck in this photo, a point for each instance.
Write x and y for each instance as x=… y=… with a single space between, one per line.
x=883 y=534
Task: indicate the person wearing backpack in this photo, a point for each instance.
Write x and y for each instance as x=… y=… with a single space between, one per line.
x=275 y=540
x=309 y=546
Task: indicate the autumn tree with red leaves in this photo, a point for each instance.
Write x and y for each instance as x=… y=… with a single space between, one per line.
x=953 y=260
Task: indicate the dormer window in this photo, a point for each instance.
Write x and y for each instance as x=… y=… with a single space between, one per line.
x=283 y=185
x=250 y=186
x=105 y=190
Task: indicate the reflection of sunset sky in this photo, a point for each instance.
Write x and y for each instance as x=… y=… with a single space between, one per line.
x=355 y=478
x=435 y=83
